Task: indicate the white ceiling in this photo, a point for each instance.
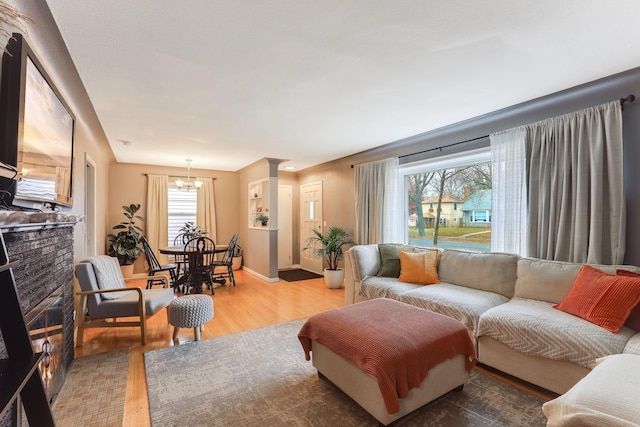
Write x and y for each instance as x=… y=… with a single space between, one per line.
x=227 y=83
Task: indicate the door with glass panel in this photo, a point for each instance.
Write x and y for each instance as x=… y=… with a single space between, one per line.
x=310 y=219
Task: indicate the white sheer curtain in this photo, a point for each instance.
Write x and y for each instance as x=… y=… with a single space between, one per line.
x=377 y=202
x=393 y=229
x=206 y=209
x=509 y=192
x=157 y=218
x=576 y=191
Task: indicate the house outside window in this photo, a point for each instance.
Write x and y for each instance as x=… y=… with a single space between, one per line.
x=477 y=209
x=446 y=202
x=182 y=206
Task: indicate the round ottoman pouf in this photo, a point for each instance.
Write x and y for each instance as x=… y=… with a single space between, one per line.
x=190 y=311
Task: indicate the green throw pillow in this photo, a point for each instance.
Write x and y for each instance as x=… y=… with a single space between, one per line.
x=390 y=258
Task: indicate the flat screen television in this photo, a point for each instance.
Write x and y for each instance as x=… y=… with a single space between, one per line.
x=36 y=133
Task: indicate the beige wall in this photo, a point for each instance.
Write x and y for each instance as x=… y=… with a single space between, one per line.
x=291 y=178
x=260 y=246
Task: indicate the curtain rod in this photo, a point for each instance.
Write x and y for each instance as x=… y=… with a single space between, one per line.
x=629 y=99
x=175 y=176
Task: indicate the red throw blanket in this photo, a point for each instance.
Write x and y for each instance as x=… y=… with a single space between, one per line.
x=394 y=342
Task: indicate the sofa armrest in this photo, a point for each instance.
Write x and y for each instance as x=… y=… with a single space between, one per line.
x=360 y=261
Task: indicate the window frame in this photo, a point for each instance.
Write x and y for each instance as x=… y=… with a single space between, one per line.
x=449 y=161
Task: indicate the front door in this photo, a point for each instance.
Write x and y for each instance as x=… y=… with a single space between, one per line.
x=310 y=219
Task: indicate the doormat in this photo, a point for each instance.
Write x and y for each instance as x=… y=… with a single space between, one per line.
x=297 y=274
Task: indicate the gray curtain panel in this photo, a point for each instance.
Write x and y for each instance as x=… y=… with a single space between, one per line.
x=576 y=205
x=369 y=188
x=378 y=203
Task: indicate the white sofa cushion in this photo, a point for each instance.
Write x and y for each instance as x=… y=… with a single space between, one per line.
x=458 y=302
x=551 y=281
x=384 y=287
x=633 y=345
x=535 y=328
x=366 y=261
x=606 y=397
x=492 y=272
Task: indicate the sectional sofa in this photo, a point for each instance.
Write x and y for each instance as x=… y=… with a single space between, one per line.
x=506 y=302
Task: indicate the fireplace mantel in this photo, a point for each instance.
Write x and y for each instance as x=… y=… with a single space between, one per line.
x=11 y=221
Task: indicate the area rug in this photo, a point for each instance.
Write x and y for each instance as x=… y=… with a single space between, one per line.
x=297 y=274
x=261 y=378
x=94 y=391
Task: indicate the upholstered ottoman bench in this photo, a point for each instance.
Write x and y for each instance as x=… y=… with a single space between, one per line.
x=190 y=311
x=389 y=357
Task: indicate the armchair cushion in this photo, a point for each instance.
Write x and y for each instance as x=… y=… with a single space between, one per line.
x=108 y=275
x=127 y=305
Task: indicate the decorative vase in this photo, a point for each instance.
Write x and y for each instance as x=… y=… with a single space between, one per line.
x=333 y=278
x=127 y=271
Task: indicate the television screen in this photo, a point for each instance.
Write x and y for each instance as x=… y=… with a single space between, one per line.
x=38 y=131
x=45 y=155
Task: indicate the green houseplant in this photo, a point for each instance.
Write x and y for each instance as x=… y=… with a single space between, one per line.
x=125 y=245
x=330 y=246
x=191 y=231
x=263 y=219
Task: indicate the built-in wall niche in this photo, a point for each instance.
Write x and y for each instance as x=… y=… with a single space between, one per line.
x=260 y=201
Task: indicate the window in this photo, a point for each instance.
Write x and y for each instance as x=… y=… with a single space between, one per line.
x=182 y=206
x=448 y=201
x=479 y=216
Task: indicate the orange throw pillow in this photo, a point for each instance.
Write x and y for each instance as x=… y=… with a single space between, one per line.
x=420 y=268
x=633 y=321
x=602 y=298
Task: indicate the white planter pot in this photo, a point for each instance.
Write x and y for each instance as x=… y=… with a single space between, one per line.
x=334 y=278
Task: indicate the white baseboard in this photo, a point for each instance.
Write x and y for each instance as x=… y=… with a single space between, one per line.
x=265 y=278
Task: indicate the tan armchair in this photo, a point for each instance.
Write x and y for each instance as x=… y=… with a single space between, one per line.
x=104 y=296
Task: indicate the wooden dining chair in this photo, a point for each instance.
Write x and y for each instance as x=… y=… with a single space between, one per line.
x=180 y=240
x=154 y=265
x=226 y=263
x=199 y=257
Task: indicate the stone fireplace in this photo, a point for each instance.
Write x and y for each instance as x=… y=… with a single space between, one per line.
x=43 y=245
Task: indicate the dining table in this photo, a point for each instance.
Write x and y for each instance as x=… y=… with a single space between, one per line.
x=180 y=252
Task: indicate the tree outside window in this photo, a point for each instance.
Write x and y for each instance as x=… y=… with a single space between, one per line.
x=451 y=208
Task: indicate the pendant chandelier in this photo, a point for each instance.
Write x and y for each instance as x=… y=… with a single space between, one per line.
x=188 y=184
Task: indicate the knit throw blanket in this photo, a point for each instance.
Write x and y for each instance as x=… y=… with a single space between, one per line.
x=108 y=275
x=394 y=342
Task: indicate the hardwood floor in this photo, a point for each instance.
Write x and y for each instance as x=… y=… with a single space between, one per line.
x=253 y=303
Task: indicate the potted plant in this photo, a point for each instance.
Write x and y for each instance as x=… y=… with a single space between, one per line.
x=191 y=231
x=263 y=219
x=125 y=245
x=236 y=261
x=330 y=247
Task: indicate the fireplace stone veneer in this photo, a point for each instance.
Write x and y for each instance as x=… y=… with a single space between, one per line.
x=43 y=246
